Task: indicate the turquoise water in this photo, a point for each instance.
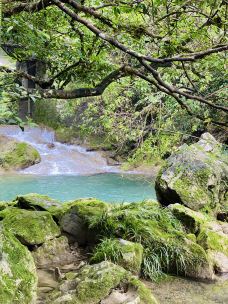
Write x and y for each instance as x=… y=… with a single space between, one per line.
x=107 y=187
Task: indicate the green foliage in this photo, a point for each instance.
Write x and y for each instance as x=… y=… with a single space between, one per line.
x=160 y=233
x=108 y=249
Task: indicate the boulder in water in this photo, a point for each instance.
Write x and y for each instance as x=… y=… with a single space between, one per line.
x=195 y=176
x=16 y=155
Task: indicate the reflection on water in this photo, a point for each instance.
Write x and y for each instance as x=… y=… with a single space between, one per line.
x=108 y=187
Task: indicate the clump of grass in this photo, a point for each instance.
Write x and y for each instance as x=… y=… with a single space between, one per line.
x=161 y=234
x=108 y=249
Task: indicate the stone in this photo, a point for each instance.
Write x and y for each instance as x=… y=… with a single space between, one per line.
x=189 y=218
x=75 y=220
x=30 y=227
x=195 y=176
x=37 y=202
x=53 y=253
x=212 y=237
x=16 y=155
x=95 y=283
x=132 y=256
x=220 y=261
x=18 y=279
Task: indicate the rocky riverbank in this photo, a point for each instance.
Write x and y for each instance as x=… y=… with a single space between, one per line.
x=87 y=251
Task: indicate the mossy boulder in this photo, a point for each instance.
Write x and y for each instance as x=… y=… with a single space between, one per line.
x=18 y=279
x=53 y=253
x=75 y=221
x=36 y=201
x=30 y=227
x=212 y=237
x=191 y=219
x=96 y=283
x=195 y=176
x=16 y=155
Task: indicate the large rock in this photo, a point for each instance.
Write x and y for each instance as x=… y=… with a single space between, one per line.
x=104 y=283
x=16 y=155
x=75 y=220
x=36 y=201
x=18 y=279
x=30 y=227
x=53 y=253
x=210 y=234
x=195 y=176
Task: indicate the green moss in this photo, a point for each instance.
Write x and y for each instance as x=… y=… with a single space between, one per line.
x=209 y=239
x=20 y=155
x=18 y=280
x=189 y=218
x=32 y=227
x=36 y=201
x=144 y=293
x=95 y=282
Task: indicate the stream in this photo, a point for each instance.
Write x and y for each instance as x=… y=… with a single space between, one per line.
x=68 y=172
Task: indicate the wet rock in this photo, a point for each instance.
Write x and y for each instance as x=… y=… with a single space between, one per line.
x=16 y=155
x=18 y=279
x=195 y=176
x=53 y=253
x=30 y=227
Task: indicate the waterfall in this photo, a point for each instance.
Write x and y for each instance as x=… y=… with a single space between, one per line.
x=57 y=158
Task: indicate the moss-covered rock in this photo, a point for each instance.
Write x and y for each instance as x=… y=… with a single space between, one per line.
x=191 y=219
x=30 y=227
x=94 y=284
x=38 y=202
x=75 y=220
x=195 y=176
x=212 y=237
x=53 y=253
x=16 y=155
x=18 y=279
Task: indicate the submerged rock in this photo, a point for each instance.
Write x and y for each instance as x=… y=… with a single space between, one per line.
x=18 y=279
x=30 y=227
x=98 y=284
x=16 y=155
x=195 y=176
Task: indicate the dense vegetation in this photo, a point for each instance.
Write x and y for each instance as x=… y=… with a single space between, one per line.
x=133 y=76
